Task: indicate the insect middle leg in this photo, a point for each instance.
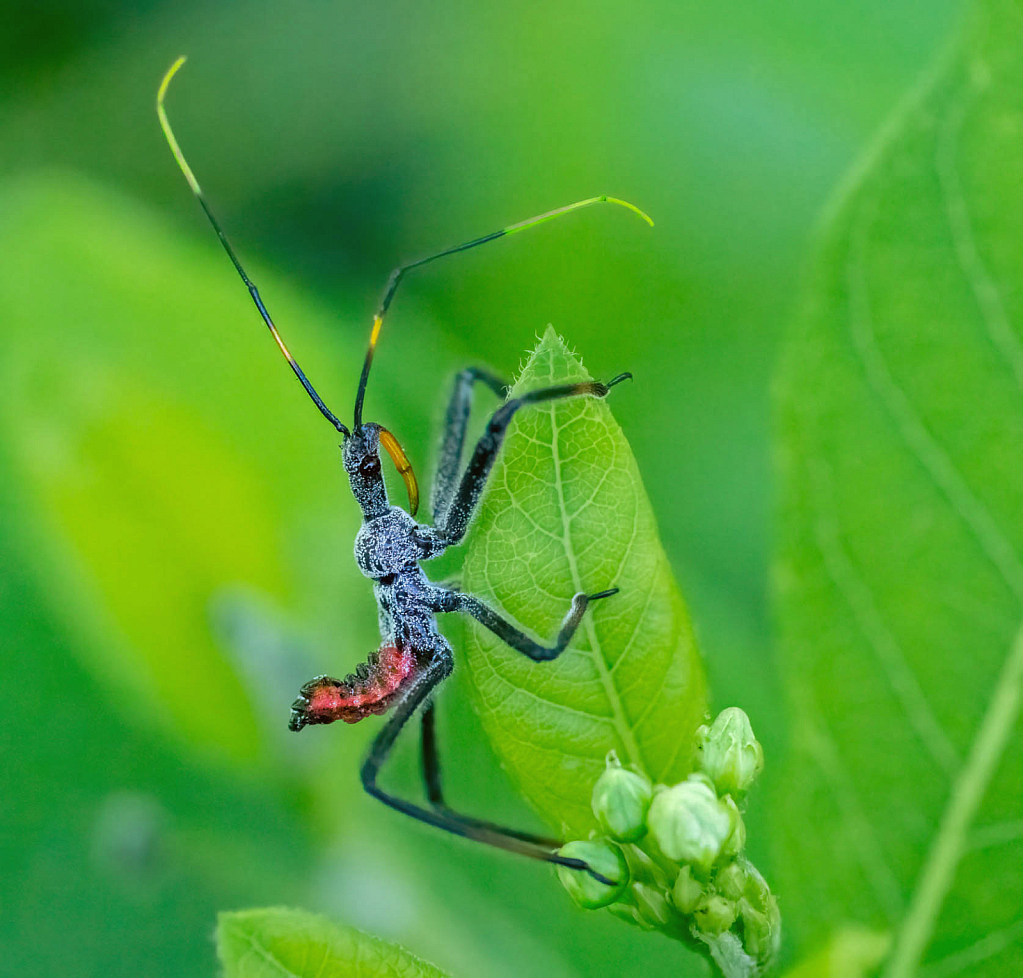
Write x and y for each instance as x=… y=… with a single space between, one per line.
x=446 y=819
x=452 y=525
x=510 y=633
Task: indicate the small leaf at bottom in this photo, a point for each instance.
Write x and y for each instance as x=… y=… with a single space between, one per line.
x=276 y=942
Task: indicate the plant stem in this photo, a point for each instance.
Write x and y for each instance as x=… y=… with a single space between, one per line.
x=726 y=953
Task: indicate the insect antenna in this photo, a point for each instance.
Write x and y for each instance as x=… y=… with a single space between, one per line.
x=398 y=273
x=253 y=291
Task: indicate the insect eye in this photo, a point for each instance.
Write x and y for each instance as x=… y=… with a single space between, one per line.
x=370 y=465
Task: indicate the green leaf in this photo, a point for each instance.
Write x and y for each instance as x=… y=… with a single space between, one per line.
x=280 y=943
x=901 y=571
x=566 y=512
x=853 y=952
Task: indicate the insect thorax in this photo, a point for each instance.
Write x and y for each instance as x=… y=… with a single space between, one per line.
x=388 y=544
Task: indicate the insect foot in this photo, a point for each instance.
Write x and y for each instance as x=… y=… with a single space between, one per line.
x=604 y=859
x=683 y=847
x=369 y=691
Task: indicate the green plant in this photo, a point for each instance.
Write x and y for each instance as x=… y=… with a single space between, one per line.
x=566 y=507
x=900 y=580
x=139 y=488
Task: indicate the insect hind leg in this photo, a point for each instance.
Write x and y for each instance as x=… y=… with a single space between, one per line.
x=445 y=819
x=435 y=792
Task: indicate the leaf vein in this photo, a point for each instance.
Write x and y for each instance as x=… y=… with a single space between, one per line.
x=987 y=947
x=632 y=639
x=999 y=834
x=868 y=619
x=513 y=688
x=910 y=427
x=882 y=879
x=267 y=955
x=985 y=289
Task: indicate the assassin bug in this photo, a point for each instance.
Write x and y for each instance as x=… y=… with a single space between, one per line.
x=414 y=657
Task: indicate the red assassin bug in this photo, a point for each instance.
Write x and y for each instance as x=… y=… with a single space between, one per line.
x=414 y=657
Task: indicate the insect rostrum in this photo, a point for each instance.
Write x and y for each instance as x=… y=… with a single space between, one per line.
x=391 y=544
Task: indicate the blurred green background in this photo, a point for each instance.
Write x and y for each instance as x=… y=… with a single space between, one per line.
x=175 y=538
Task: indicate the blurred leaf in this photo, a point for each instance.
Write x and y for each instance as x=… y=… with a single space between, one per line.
x=566 y=512
x=282 y=943
x=853 y=952
x=901 y=570
x=161 y=458
x=108 y=835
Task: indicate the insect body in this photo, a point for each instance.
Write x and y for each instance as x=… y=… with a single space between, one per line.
x=414 y=657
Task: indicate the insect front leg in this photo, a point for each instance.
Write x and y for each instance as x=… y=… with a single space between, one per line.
x=452 y=525
x=510 y=633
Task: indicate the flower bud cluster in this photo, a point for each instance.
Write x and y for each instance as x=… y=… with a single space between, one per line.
x=673 y=855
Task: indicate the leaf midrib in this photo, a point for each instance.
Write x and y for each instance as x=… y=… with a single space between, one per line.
x=618 y=718
x=267 y=955
x=967 y=794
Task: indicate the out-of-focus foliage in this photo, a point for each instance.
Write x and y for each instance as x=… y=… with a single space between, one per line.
x=174 y=539
x=149 y=456
x=566 y=513
x=851 y=952
x=901 y=577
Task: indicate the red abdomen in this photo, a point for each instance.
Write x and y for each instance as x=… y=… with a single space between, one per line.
x=370 y=690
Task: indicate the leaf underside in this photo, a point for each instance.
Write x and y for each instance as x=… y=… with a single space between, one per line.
x=900 y=579
x=280 y=943
x=566 y=512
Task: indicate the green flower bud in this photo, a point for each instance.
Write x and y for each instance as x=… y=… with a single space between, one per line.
x=714 y=915
x=731 y=881
x=687 y=892
x=736 y=840
x=689 y=823
x=757 y=891
x=651 y=905
x=698 y=777
x=604 y=857
x=761 y=930
x=730 y=754
x=620 y=802
x=628 y=913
